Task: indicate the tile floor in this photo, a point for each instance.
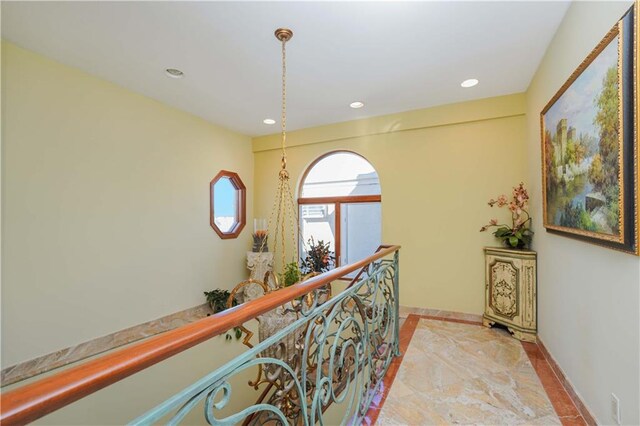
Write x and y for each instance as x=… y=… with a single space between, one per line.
x=458 y=372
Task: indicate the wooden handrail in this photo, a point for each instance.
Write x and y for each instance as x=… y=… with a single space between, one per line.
x=37 y=399
x=359 y=274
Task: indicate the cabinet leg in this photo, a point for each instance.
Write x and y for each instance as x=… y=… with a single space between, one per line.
x=487 y=322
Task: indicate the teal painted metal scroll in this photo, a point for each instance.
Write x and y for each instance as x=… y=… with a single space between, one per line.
x=335 y=354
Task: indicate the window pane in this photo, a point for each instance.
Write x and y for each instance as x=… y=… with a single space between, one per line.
x=341 y=174
x=361 y=229
x=225 y=205
x=317 y=221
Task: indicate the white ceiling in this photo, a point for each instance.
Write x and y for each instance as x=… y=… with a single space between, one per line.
x=394 y=56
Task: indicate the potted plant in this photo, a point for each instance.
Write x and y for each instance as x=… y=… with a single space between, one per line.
x=217 y=300
x=290 y=275
x=517 y=235
x=319 y=258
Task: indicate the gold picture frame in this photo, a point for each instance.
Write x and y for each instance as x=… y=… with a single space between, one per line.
x=589 y=140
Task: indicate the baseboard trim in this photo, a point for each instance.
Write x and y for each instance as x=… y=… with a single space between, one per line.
x=440 y=314
x=42 y=364
x=577 y=401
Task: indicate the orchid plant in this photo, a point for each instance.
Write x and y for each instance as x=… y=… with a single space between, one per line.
x=518 y=234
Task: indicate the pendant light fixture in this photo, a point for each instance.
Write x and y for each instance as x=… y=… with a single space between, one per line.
x=284 y=212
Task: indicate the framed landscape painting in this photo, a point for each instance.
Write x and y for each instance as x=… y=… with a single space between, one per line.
x=589 y=146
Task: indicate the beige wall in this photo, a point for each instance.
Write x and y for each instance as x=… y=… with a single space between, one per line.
x=588 y=296
x=105 y=207
x=105 y=216
x=124 y=401
x=437 y=167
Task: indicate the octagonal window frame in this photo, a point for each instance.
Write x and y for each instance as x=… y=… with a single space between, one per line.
x=241 y=204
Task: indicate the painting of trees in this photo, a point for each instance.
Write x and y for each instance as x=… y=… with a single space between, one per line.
x=589 y=130
x=549 y=163
x=582 y=148
x=607 y=119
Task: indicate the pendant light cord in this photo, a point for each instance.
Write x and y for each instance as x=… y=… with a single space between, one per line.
x=283 y=120
x=284 y=211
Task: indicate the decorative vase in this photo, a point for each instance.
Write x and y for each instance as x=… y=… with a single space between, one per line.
x=259 y=243
x=260 y=236
x=521 y=245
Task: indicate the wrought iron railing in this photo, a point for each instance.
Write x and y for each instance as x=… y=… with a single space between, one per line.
x=333 y=353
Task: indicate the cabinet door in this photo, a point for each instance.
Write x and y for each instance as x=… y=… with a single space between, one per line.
x=503 y=293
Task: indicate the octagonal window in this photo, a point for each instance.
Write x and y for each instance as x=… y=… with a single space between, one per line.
x=228 y=203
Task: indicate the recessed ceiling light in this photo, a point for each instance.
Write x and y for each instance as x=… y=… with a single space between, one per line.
x=269 y=121
x=356 y=104
x=469 y=83
x=174 y=73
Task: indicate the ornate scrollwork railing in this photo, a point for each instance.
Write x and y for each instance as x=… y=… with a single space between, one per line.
x=333 y=354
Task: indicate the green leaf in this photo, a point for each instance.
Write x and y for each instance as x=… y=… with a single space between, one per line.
x=513 y=241
x=291 y=274
x=500 y=232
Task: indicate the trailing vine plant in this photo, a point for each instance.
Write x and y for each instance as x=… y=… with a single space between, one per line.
x=217 y=300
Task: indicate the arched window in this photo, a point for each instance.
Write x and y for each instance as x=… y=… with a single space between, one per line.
x=340 y=203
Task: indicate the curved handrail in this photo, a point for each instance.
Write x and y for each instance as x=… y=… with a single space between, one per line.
x=37 y=399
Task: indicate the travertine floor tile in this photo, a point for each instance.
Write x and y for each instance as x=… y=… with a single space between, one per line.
x=454 y=373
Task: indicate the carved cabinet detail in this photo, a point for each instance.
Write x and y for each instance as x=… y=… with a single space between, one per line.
x=510 y=291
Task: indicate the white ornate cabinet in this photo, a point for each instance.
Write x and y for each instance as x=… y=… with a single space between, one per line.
x=510 y=291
